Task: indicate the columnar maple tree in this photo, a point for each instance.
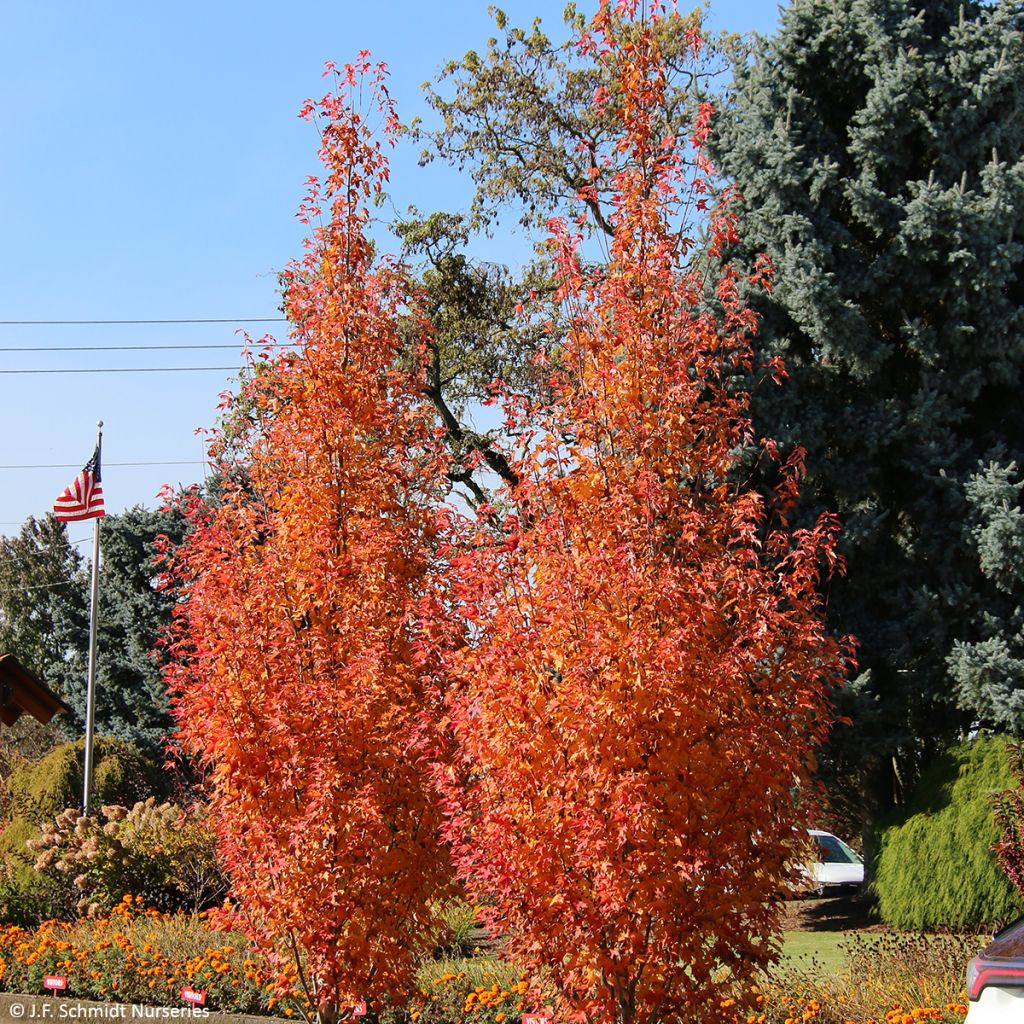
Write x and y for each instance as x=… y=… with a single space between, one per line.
x=638 y=706
x=630 y=713
x=298 y=674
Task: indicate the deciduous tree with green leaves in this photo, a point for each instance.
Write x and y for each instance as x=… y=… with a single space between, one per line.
x=43 y=618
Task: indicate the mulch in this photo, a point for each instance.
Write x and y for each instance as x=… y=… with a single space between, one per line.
x=839 y=913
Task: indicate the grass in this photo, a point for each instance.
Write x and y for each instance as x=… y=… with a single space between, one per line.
x=822 y=950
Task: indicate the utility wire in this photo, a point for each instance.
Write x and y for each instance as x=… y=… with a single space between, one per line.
x=216 y=320
x=130 y=369
x=136 y=348
x=78 y=465
x=107 y=348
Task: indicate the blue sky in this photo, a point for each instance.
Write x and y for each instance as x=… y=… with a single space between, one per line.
x=153 y=162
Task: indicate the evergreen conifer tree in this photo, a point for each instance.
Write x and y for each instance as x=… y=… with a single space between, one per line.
x=131 y=698
x=879 y=145
x=988 y=670
x=44 y=621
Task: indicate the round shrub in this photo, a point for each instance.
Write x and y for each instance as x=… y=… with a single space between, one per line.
x=936 y=866
x=122 y=774
x=161 y=855
x=36 y=792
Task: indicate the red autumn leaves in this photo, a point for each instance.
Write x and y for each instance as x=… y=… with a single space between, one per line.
x=594 y=710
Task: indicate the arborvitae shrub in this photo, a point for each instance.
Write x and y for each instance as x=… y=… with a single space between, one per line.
x=936 y=866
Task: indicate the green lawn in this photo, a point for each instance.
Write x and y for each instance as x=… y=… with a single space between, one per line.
x=818 y=949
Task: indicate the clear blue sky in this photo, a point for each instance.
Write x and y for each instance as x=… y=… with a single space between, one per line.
x=152 y=165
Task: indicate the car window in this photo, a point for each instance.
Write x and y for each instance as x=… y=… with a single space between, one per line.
x=834 y=851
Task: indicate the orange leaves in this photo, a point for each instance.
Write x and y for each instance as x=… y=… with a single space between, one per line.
x=647 y=673
x=300 y=671
x=616 y=688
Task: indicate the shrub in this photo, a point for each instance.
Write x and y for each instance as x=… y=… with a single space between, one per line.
x=156 y=852
x=122 y=774
x=37 y=792
x=936 y=866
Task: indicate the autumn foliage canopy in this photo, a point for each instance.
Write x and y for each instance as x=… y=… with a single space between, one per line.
x=299 y=680
x=603 y=692
x=649 y=678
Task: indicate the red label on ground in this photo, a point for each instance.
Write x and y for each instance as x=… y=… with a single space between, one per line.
x=359 y=1010
x=190 y=995
x=56 y=982
x=537 y=1018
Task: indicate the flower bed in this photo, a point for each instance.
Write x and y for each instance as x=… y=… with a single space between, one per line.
x=143 y=956
x=890 y=979
x=146 y=957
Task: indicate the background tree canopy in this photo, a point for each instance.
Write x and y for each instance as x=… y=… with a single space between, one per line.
x=878 y=148
x=44 y=620
x=878 y=145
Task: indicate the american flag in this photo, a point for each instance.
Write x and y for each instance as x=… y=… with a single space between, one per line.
x=84 y=498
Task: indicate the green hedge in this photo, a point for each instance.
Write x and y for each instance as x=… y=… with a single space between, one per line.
x=936 y=868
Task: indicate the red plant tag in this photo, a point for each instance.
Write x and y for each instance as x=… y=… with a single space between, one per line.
x=544 y=1017
x=190 y=995
x=55 y=982
x=359 y=1010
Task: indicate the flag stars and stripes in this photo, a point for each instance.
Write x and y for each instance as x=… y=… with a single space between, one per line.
x=83 y=499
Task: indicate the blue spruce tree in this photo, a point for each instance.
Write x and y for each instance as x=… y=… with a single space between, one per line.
x=879 y=147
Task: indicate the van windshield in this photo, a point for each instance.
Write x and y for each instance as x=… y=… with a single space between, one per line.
x=832 y=850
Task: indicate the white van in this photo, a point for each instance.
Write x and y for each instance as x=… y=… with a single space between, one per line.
x=837 y=868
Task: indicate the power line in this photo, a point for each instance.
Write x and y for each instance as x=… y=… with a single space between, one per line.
x=130 y=369
x=108 y=348
x=92 y=323
x=106 y=465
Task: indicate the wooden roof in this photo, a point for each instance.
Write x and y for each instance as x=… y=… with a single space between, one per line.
x=21 y=691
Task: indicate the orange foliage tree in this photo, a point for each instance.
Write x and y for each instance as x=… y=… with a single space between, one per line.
x=300 y=676
x=647 y=673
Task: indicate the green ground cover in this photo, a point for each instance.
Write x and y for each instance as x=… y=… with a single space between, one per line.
x=822 y=950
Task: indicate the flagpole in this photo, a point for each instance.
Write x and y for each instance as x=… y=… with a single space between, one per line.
x=90 y=698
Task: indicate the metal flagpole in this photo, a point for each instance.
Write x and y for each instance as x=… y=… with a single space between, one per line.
x=90 y=699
